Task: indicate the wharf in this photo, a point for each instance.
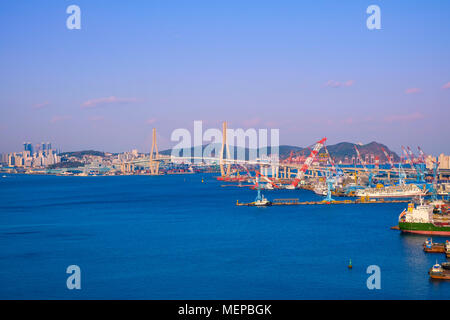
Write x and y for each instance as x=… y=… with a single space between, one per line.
x=296 y=202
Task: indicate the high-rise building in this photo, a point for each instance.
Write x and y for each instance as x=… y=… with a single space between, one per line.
x=444 y=161
x=27 y=146
x=28 y=158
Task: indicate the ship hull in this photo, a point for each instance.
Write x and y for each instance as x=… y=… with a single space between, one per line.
x=424 y=228
x=389 y=195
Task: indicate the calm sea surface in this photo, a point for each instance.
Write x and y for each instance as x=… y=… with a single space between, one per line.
x=174 y=237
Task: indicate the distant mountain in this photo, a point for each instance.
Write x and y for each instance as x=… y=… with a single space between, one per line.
x=338 y=151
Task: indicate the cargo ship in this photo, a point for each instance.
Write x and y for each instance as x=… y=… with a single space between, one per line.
x=422 y=219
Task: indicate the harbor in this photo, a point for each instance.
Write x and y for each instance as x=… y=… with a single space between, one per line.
x=362 y=198
x=129 y=228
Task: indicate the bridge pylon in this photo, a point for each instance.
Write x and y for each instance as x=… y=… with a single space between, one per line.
x=154 y=155
x=224 y=171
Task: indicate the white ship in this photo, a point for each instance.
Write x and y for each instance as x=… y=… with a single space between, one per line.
x=268 y=186
x=321 y=189
x=401 y=191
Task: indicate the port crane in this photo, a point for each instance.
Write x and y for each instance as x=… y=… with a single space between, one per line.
x=435 y=179
x=334 y=166
x=401 y=172
x=330 y=180
x=414 y=163
x=368 y=171
x=422 y=155
x=433 y=186
x=307 y=163
x=391 y=163
x=289 y=159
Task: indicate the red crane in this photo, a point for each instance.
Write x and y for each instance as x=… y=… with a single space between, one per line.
x=388 y=157
x=409 y=155
x=259 y=174
x=413 y=157
x=308 y=162
x=360 y=159
x=422 y=155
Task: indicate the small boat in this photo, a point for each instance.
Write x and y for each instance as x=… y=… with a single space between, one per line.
x=431 y=247
x=445 y=265
x=261 y=201
x=447 y=249
x=438 y=272
x=3 y=176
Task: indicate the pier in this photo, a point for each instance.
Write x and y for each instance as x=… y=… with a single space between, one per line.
x=296 y=202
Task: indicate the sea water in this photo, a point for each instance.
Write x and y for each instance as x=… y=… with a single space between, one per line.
x=174 y=237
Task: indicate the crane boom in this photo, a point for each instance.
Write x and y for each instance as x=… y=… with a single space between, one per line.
x=422 y=155
x=268 y=180
x=308 y=161
x=411 y=154
x=408 y=155
x=333 y=166
x=388 y=157
x=361 y=160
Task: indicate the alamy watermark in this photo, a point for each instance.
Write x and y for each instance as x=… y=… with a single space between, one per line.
x=374 y=280
x=200 y=146
x=373 y=22
x=74 y=20
x=74 y=280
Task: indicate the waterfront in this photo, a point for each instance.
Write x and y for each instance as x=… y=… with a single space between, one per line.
x=174 y=237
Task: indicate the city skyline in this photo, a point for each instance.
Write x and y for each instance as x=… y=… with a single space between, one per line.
x=311 y=71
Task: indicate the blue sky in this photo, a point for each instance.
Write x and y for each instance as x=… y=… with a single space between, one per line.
x=310 y=68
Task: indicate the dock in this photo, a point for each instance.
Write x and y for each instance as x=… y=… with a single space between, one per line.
x=296 y=202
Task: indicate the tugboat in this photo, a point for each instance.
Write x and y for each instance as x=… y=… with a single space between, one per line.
x=431 y=247
x=438 y=272
x=261 y=201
